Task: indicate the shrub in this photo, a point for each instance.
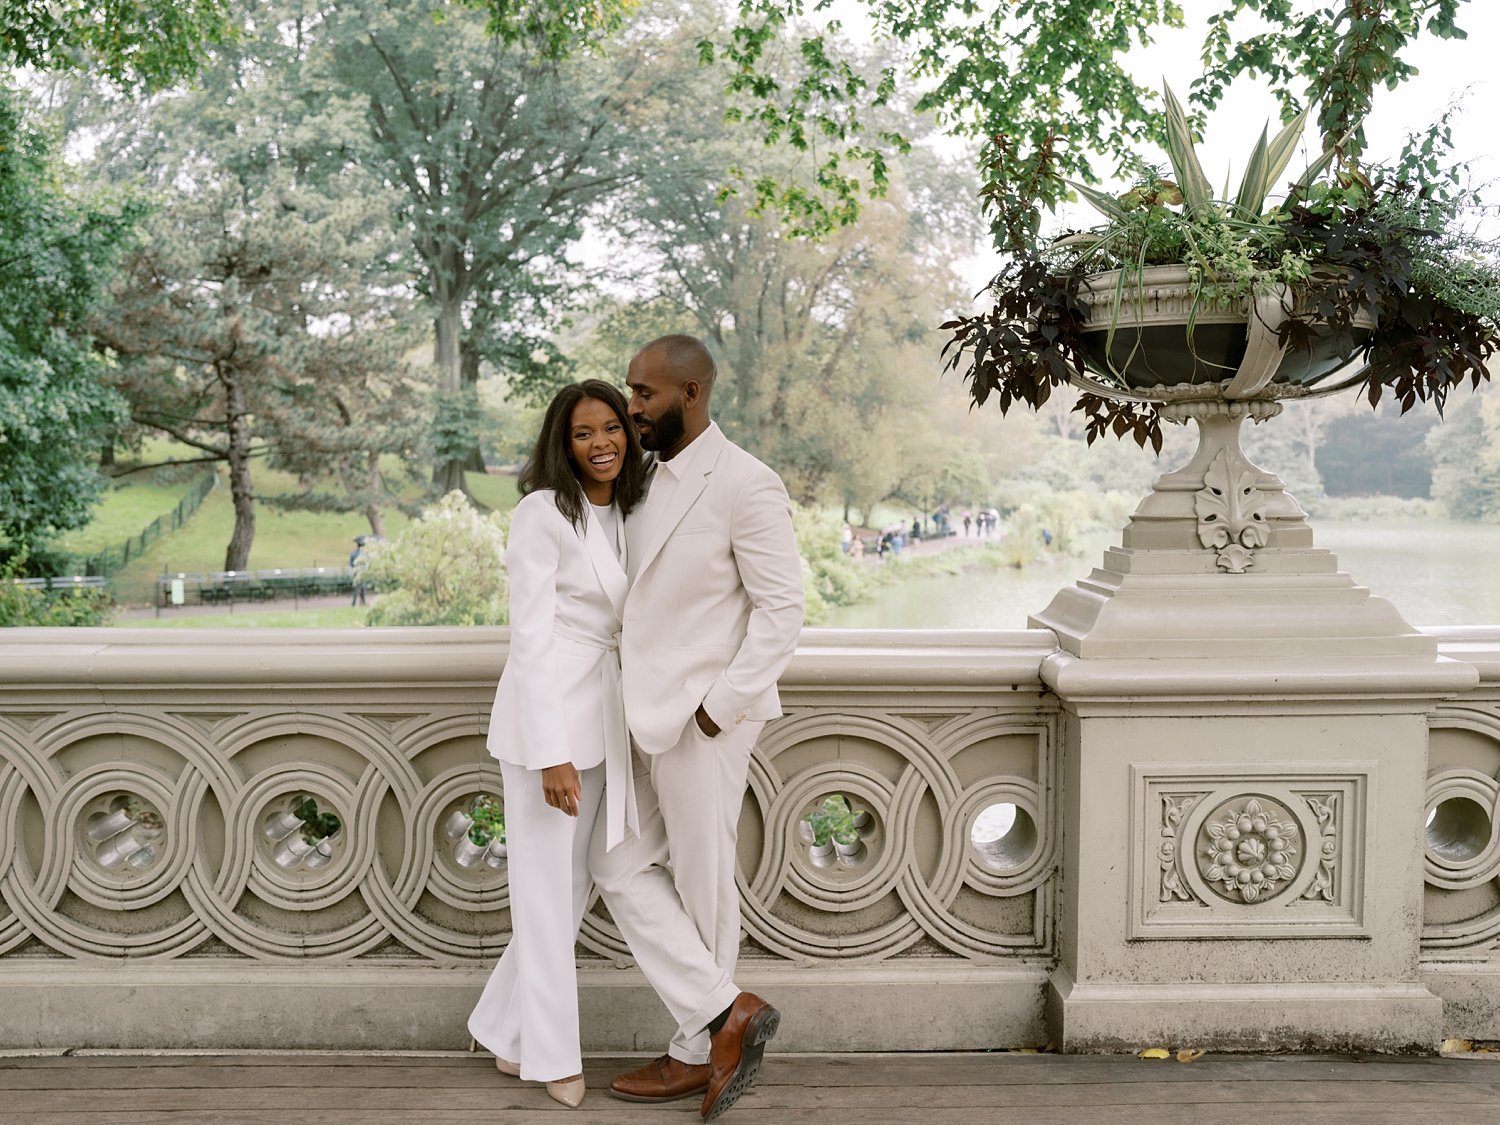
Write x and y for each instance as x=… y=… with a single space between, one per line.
x=829 y=577
x=21 y=605
x=446 y=568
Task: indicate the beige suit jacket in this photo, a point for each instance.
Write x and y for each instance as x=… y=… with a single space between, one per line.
x=715 y=603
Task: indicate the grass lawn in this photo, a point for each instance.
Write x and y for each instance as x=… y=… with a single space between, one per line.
x=125 y=510
x=495 y=492
x=282 y=538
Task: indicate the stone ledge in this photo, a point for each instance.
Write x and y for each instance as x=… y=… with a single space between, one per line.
x=1470 y=992
x=921 y=1006
x=1391 y=1017
x=46 y=662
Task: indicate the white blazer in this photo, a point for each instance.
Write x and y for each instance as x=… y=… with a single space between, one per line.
x=559 y=697
x=716 y=603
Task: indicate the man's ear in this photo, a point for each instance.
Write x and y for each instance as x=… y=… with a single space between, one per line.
x=692 y=391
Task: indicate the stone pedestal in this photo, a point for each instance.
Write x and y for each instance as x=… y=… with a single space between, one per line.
x=1244 y=751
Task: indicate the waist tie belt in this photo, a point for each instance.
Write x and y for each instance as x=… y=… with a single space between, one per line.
x=619 y=781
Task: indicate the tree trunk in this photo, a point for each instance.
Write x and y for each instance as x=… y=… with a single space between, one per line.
x=372 y=506
x=237 y=554
x=449 y=477
x=448 y=466
x=468 y=354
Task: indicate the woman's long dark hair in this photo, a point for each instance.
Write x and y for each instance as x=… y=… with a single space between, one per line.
x=551 y=462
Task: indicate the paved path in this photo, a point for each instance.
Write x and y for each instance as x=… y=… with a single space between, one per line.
x=900 y=1089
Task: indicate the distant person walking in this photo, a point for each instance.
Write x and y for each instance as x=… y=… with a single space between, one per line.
x=358 y=561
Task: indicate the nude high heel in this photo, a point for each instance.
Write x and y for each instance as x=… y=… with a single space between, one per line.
x=504 y=1066
x=568 y=1091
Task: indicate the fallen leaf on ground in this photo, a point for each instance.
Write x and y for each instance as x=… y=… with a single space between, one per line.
x=1458 y=1045
x=1155 y=1053
x=1186 y=1055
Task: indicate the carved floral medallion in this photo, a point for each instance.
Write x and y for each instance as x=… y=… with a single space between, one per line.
x=1248 y=849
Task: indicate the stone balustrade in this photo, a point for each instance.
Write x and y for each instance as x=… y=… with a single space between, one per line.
x=271 y=839
x=241 y=836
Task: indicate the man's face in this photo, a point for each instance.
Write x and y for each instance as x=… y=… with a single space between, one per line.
x=655 y=405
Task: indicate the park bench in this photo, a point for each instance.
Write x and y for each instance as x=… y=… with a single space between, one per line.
x=326 y=580
x=59 y=584
x=228 y=586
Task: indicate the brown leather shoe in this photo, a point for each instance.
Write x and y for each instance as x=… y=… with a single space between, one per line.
x=735 y=1053
x=661 y=1080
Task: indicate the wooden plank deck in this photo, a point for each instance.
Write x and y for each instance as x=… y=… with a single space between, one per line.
x=901 y=1089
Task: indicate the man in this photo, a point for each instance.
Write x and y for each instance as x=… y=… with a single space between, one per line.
x=711 y=620
x=357 y=563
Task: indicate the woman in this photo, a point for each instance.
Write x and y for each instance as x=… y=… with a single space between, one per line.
x=558 y=725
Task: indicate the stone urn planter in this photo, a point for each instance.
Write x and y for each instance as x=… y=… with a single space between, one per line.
x=1152 y=330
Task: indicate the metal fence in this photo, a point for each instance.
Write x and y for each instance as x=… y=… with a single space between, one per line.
x=115 y=559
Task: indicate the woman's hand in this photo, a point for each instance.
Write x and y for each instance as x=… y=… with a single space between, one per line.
x=561 y=787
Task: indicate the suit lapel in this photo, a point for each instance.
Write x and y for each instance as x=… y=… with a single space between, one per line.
x=688 y=490
x=637 y=526
x=610 y=571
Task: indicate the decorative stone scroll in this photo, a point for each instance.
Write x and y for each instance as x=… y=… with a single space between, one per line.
x=1232 y=511
x=905 y=872
x=1173 y=810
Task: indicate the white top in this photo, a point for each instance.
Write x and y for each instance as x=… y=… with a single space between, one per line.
x=609 y=519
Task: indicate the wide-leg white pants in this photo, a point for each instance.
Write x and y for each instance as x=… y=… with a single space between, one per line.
x=528 y=1012
x=683 y=924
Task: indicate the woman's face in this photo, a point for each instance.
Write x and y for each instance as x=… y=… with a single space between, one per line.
x=597 y=443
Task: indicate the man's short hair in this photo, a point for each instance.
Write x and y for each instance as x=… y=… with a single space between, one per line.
x=687 y=357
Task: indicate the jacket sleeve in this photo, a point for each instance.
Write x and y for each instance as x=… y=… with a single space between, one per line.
x=533 y=553
x=770 y=569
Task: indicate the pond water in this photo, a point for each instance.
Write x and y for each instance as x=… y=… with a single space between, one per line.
x=1435 y=572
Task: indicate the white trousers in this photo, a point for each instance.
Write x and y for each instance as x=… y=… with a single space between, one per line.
x=671 y=890
x=528 y=1012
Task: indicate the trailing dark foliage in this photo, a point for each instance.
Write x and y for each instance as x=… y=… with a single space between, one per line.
x=1425 y=344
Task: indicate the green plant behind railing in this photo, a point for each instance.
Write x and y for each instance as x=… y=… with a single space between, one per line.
x=489 y=821
x=832 y=822
x=316 y=826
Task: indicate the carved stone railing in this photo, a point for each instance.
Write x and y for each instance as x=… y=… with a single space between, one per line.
x=1461 y=854
x=248 y=838
x=260 y=839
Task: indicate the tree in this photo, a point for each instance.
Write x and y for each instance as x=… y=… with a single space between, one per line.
x=499 y=151
x=233 y=316
x=817 y=340
x=1465 y=452
x=1364 y=454
x=57 y=251
x=1017 y=69
x=260 y=317
x=130 y=42
x=56 y=255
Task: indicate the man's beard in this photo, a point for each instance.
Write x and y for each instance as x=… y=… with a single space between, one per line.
x=665 y=432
